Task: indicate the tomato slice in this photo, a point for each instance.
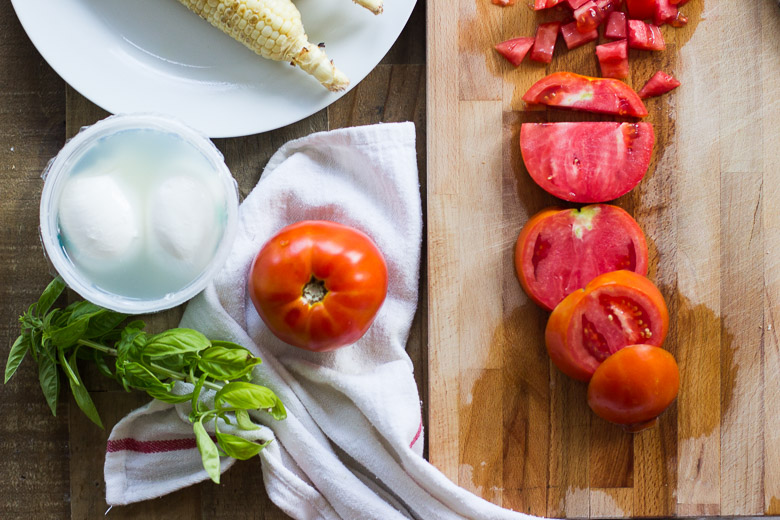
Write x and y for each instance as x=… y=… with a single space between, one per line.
x=645 y=36
x=659 y=84
x=634 y=386
x=587 y=162
x=569 y=90
x=544 y=44
x=641 y=9
x=613 y=59
x=575 y=38
x=614 y=310
x=616 y=26
x=561 y=250
x=545 y=4
x=515 y=49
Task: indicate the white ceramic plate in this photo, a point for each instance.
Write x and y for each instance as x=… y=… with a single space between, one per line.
x=157 y=56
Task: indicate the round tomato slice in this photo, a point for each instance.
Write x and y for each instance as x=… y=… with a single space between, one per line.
x=318 y=285
x=587 y=162
x=600 y=95
x=634 y=386
x=559 y=251
x=614 y=310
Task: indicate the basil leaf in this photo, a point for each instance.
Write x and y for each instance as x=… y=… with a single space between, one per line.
x=49 y=296
x=68 y=335
x=49 y=378
x=168 y=397
x=244 y=422
x=80 y=393
x=16 y=355
x=128 y=344
x=83 y=308
x=139 y=376
x=226 y=363
x=175 y=341
x=239 y=448
x=103 y=323
x=100 y=361
x=251 y=397
x=208 y=451
x=196 y=392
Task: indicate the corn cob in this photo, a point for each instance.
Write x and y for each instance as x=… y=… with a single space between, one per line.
x=375 y=6
x=272 y=29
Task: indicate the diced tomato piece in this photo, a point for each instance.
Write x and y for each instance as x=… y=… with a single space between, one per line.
x=590 y=14
x=575 y=38
x=569 y=90
x=575 y=4
x=515 y=49
x=645 y=36
x=504 y=3
x=666 y=12
x=544 y=44
x=616 y=26
x=544 y=4
x=641 y=9
x=679 y=2
x=659 y=84
x=613 y=59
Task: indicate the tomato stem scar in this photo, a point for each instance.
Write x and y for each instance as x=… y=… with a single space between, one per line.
x=314 y=291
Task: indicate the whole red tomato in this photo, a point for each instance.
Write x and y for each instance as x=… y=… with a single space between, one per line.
x=318 y=285
x=634 y=386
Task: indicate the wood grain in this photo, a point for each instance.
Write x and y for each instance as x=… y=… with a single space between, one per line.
x=708 y=206
x=54 y=466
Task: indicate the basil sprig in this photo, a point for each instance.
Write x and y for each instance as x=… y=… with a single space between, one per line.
x=57 y=338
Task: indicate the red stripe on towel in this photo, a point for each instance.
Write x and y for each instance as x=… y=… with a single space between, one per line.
x=151 y=446
x=416 y=435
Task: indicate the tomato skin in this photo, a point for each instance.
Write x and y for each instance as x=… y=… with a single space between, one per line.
x=634 y=386
x=345 y=261
x=582 y=242
x=641 y=9
x=600 y=95
x=563 y=335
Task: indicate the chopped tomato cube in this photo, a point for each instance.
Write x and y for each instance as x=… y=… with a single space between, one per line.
x=575 y=4
x=679 y=2
x=544 y=44
x=641 y=9
x=504 y=3
x=645 y=36
x=590 y=14
x=613 y=59
x=659 y=84
x=575 y=38
x=544 y=4
x=616 y=26
x=515 y=49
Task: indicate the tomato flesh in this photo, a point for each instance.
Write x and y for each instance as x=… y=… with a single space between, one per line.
x=514 y=50
x=318 y=285
x=545 y=4
x=659 y=84
x=645 y=36
x=641 y=9
x=544 y=43
x=575 y=38
x=576 y=4
x=560 y=251
x=634 y=386
x=587 y=162
x=600 y=95
x=590 y=14
x=613 y=59
x=614 y=310
x=616 y=26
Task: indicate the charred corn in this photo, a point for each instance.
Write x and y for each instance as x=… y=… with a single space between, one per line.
x=272 y=29
x=375 y=6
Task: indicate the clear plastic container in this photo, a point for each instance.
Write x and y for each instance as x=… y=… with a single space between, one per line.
x=57 y=174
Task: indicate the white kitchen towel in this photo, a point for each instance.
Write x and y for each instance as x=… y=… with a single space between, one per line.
x=351 y=445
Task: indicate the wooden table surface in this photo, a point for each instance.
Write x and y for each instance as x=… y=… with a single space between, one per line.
x=53 y=467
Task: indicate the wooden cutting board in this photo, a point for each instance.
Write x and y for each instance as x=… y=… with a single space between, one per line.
x=506 y=424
